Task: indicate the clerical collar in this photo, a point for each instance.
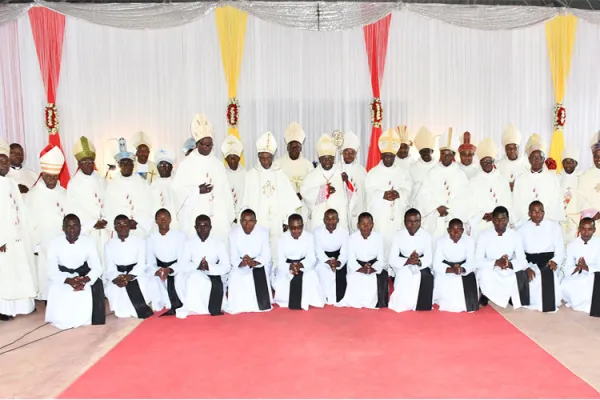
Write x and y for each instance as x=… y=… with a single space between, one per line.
x=537 y=172
x=16 y=167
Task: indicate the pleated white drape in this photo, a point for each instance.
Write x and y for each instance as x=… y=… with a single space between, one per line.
x=116 y=81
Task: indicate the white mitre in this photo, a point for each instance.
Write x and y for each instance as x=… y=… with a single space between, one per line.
x=201 y=127
x=325 y=146
x=448 y=141
x=266 y=143
x=511 y=135
x=487 y=148
x=140 y=138
x=4 y=148
x=389 y=142
x=51 y=162
x=571 y=152
x=294 y=133
x=424 y=139
x=351 y=141
x=535 y=143
x=164 y=155
x=232 y=145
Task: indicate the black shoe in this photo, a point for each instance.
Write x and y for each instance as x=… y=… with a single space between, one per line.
x=170 y=312
x=5 y=317
x=483 y=300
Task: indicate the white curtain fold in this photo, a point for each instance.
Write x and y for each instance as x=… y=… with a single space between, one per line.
x=11 y=12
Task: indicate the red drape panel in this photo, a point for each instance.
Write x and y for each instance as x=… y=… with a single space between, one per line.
x=48 y=29
x=376 y=41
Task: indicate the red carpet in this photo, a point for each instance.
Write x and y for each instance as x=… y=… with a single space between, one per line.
x=330 y=353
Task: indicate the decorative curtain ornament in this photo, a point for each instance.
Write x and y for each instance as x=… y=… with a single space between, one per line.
x=376 y=41
x=560 y=39
x=48 y=29
x=231 y=27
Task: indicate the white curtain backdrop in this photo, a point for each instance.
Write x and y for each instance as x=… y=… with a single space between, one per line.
x=116 y=81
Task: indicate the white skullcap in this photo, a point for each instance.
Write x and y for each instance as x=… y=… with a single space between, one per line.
x=389 y=142
x=294 y=133
x=232 y=145
x=487 y=148
x=51 y=160
x=424 y=139
x=164 y=155
x=448 y=141
x=201 y=127
x=571 y=152
x=511 y=135
x=4 y=148
x=325 y=146
x=534 y=143
x=140 y=138
x=351 y=141
x=266 y=143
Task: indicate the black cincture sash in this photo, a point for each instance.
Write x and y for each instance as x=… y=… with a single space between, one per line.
x=341 y=282
x=469 y=282
x=173 y=297
x=595 y=307
x=142 y=309
x=425 y=297
x=295 y=299
x=383 y=284
x=547 y=276
x=215 y=299
x=261 y=288
x=97 y=288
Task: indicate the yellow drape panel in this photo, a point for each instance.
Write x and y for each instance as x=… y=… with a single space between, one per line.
x=560 y=38
x=231 y=27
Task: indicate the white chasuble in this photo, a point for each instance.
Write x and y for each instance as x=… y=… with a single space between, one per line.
x=163 y=196
x=470 y=170
x=486 y=192
x=46 y=208
x=357 y=175
x=589 y=193
x=194 y=171
x=237 y=179
x=130 y=196
x=23 y=176
x=512 y=169
x=388 y=216
x=418 y=173
x=569 y=187
x=542 y=186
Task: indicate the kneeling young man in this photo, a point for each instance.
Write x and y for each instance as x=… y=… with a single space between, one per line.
x=75 y=290
x=250 y=257
x=164 y=250
x=331 y=243
x=545 y=252
x=581 y=285
x=367 y=277
x=410 y=257
x=206 y=263
x=501 y=263
x=454 y=269
x=130 y=289
x=296 y=282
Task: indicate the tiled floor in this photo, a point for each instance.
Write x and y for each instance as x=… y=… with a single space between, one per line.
x=44 y=369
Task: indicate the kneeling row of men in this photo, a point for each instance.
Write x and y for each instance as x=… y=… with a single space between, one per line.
x=198 y=276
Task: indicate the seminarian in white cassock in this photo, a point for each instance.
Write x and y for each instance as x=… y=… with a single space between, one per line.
x=268 y=191
x=325 y=188
x=46 y=204
x=127 y=193
x=201 y=186
x=161 y=187
x=17 y=286
x=232 y=150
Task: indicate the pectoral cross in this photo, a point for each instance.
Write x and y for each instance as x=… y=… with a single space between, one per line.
x=597 y=188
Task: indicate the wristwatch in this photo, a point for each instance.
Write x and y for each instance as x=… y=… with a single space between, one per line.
x=419 y=263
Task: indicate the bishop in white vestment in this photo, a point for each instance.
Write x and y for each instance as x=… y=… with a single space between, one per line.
x=545 y=251
x=17 y=286
x=161 y=187
x=581 y=284
x=487 y=190
x=232 y=150
x=331 y=246
x=326 y=188
x=537 y=184
x=129 y=289
x=206 y=265
x=513 y=164
x=569 y=188
x=410 y=257
x=589 y=185
x=454 y=265
x=24 y=177
x=269 y=193
x=75 y=291
x=501 y=263
x=86 y=196
x=296 y=282
x=201 y=186
x=46 y=205
x=466 y=152
x=388 y=189
x=425 y=142
x=145 y=168
x=164 y=255
x=129 y=194
x=443 y=195
x=368 y=279
x=356 y=174
x=250 y=257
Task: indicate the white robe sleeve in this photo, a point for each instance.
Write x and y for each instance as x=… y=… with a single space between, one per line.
x=309 y=259
x=283 y=266
x=223 y=266
x=381 y=260
x=151 y=257
x=54 y=274
x=234 y=257
x=471 y=263
x=353 y=264
x=439 y=267
x=519 y=263
x=427 y=259
x=343 y=258
x=140 y=267
x=571 y=259
x=395 y=260
x=264 y=257
x=559 y=246
x=321 y=256
x=93 y=262
x=480 y=254
x=187 y=262
x=111 y=267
